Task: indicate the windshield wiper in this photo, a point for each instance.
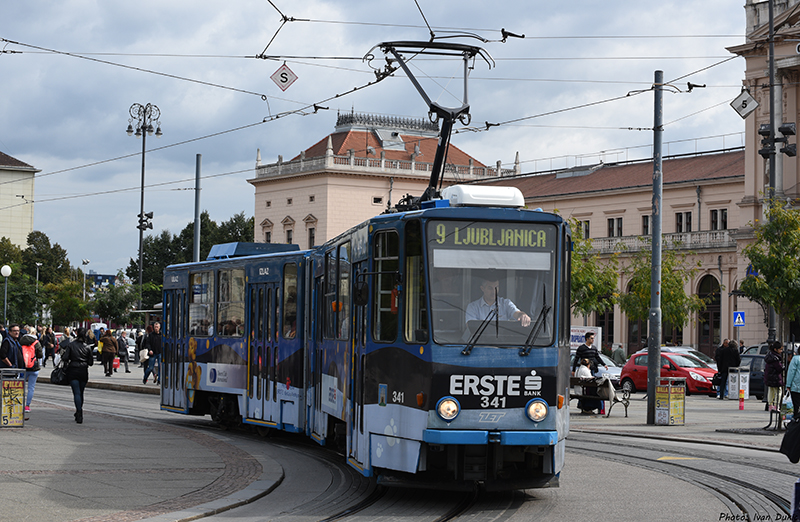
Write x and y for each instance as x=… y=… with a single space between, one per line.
x=538 y=324
x=493 y=314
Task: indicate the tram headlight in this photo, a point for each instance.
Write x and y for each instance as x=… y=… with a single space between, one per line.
x=448 y=408
x=536 y=410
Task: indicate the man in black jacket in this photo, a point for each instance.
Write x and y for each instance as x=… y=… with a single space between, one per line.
x=727 y=356
x=588 y=351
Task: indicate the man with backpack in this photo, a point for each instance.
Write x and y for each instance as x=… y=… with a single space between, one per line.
x=31 y=354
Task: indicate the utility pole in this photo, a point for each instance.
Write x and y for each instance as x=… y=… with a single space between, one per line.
x=654 y=330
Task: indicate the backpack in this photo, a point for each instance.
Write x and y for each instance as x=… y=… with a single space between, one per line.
x=29 y=349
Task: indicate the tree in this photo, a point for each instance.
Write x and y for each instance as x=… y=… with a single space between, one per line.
x=676 y=305
x=9 y=253
x=594 y=281
x=66 y=305
x=55 y=264
x=115 y=302
x=774 y=257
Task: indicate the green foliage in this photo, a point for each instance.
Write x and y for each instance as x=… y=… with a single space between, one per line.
x=115 y=302
x=594 y=282
x=676 y=305
x=55 y=264
x=774 y=256
x=66 y=303
x=9 y=253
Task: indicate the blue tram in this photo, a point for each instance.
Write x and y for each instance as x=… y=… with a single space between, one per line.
x=374 y=343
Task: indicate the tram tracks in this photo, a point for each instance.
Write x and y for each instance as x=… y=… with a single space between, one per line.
x=756 y=492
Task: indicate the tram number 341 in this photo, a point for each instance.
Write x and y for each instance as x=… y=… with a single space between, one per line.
x=398 y=396
x=496 y=402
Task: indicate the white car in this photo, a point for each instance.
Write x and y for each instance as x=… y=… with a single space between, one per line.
x=613 y=372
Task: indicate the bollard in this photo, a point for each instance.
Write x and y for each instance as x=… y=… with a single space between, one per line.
x=741 y=399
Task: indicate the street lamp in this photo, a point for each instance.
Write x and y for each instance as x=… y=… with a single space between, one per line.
x=84 y=262
x=5 y=272
x=37 y=294
x=144 y=116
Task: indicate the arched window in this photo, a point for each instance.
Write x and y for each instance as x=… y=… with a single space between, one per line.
x=709 y=331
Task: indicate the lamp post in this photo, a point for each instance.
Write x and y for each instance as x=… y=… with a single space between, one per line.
x=37 y=295
x=143 y=116
x=84 y=262
x=5 y=272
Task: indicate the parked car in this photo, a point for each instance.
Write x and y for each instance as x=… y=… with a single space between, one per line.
x=698 y=374
x=691 y=351
x=760 y=349
x=613 y=372
x=756 y=364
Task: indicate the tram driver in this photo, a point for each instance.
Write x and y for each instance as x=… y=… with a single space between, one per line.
x=479 y=309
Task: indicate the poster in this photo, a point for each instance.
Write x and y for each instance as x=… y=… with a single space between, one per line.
x=13 y=402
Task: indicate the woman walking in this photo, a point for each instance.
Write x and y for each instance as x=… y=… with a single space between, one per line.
x=78 y=357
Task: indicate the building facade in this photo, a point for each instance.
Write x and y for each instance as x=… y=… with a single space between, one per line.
x=360 y=170
x=16 y=199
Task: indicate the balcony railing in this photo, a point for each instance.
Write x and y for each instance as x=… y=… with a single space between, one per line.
x=706 y=239
x=351 y=163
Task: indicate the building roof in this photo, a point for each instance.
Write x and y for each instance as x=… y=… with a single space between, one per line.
x=603 y=178
x=399 y=138
x=7 y=161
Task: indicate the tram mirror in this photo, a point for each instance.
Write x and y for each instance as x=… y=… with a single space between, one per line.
x=361 y=293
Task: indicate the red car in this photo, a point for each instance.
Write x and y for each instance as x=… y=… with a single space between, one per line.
x=698 y=374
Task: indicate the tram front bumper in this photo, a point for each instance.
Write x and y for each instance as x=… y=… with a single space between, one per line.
x=478 y=437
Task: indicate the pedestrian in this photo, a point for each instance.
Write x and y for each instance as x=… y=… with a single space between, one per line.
x=773 y=374
x=618 y=355
x=122 y=348
x=78 y=357
x=66 y=338
x=10 y=351
x=742 y=347
x=793 y=382
x=109 y=352
x=727 y=356
x=48 y=341
x=141 y=353
x=32 y=369
x=588 y=351
x=152 y=342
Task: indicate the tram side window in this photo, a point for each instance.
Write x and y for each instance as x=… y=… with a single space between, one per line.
x=416 y=312
x=230 y=304
x=343 y=321
x=387 y=261
x=329 y=283
x=290 y=301
x=201 y=304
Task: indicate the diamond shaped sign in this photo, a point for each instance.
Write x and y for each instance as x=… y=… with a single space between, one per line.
x=284 y=77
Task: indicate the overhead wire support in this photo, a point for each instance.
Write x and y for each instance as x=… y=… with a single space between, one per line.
x=448 y=115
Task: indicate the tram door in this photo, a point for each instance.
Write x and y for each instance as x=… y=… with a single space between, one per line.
x=261 y=405
x=173 y=368
x=357 y=440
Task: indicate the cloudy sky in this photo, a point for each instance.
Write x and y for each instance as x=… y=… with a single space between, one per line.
x=70 y=71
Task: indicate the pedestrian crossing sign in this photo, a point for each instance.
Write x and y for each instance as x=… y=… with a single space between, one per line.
x=738 y=318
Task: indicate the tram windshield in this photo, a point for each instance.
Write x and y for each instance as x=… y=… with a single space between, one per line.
x=492 y=283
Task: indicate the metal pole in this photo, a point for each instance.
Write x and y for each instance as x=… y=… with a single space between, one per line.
x=196 y=252
x=654 y=337
x=771 y=191
x=141 y=214
x=5 y=304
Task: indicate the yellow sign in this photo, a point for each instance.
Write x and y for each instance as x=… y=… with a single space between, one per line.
x=12 y=403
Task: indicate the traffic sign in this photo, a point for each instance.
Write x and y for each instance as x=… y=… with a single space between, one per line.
x=284 y=77
x=738 y=318
x=744 y=104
